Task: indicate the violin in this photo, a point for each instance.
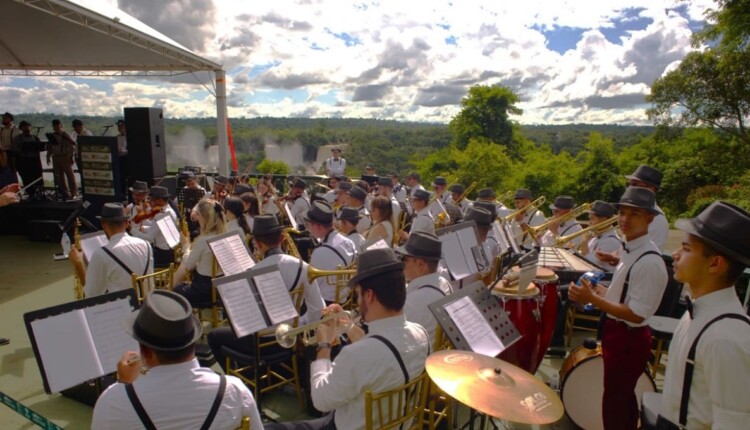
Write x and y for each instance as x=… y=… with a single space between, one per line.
x=143 y=214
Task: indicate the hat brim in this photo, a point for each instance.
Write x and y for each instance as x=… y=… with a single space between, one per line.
x=114 y=219
x=130 y=323
x=688 y=226
x=133 y=190
x=393 y=266
x=403 y=251
x=269 y=231
x=649 y=209
x=630 y=177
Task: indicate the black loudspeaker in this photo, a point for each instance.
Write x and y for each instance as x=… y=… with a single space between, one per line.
x=147 y=153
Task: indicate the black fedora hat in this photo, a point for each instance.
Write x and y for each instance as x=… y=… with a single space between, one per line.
x=602 y=209
x=23 y=123
x=481 y=216
x=563 y=202
x=638 y=197
x=113 y=212
x=422 y=244
x=421 y=195
x=320 y=212
x=439 y=180
x=523 y=193
x=187 y=174
x=458 y=189
x=159 y=192
x=344 y=186
x=648 y=175
x=165 y=322
x=223 y=180
x=385 y=181
x=299 y=183
x=349 y=213
x=240 y=189
x=486 y=193
x=374 y=262
x=139 y=187
x=723 y=226
x=489 y=206
x=413 y=175
x=266 y=224
x=358 y=193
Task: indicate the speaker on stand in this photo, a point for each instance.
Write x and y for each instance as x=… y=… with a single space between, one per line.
x=147 y=154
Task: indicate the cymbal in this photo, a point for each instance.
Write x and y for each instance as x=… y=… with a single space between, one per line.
x=494 y=387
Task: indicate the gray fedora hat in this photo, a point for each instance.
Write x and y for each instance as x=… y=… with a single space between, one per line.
x=563 y=202
x=523 y=193
x=266 y=224
x=440 y=180
x=486 y=193
x=602 y=209
x=358 y=193
x=374 y=262
x=240 y=189
x=723 y=226
x=422 y=244
x=299 y=183
x=113 y=212
x=320 y=212
x=159 y=192
x=385 y=180
x=638 y=197
x=344 y=186
x=165 y=322
x=481 y=216
x=139 y=187
x=349 y=213
x=221 y=179
x=458 y=189
x=489 y=206
x=421 y=195
x=648 y=175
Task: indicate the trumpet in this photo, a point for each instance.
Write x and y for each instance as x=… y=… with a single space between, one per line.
x=533 y=206
x=286 y=335
x=596 y=229
x=575 y=213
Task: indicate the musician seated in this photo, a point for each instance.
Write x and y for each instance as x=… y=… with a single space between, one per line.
x=382 y=227
x=357 y=196
x=198 y=257
x=399 y=190
x=421 y=255
x=524 y=219
x=392 y=353
x=220 y=188
x=385 y=189
x=191 y=181
x=443 y=195
x=562 y=207
x=334 y=252
x=605 y=242
x=250 y=203
x=139 y=194
x=348 y=218
x=488 y=195
x=9 y=194
x=333 y=184
x=175 y=393
x=267 y=196
x=111 y=266
x=268 y=238
x=422 y=220
x=341 y=198
x=234 y=212
x=150 y=232
x=300 y=202
x=458 y=198
x=483 y=219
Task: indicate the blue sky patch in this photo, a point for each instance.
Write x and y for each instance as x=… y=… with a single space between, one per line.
x=630 y=21
x=561 y=39
x=348 y=39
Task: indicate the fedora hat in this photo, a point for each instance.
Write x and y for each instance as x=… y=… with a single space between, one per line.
x=187 y=174
x=638 y=197
x=723 y=226
x=266 y=224
x=413 y=175
x=159 y=192
x=563 y=202
x=374 y=262
x=481 y=216
x=358 y=193
x=299 y=183
x=223 y=180
x=349 y=213
x=139 y=187
x=488 y=206
x=165 y=322
x=240 y=189
x=344 y=186
x=523 y=193
x=458 y=189
x=422 y=244
x=602 y=209
x=648 y=175
x=486 y=193
x=320 y=212
x=113 y=212
x=439 y=180
x=385 y=181
x=421 y=195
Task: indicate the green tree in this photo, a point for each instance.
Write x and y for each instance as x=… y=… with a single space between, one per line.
x=729 y=25
x=598 y=178
x=272 y=167
x=484 y=114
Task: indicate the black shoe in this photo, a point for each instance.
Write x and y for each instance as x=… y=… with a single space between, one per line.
x=4 y=341
x=556 y=351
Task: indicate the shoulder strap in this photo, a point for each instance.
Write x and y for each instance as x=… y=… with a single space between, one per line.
x=690 y=364
x=299 y=272
x=118 y=261
x=396 y=354
x=325 y=245
x=627 y=277
x=148 y=260
x=217 y=402
x=432 y=287
x=566 y=229
x=145 y=420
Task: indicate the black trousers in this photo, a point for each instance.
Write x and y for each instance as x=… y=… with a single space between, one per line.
x=326 y=422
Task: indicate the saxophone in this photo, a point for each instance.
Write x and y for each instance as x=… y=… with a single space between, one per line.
x=288 y=242
x=77 y=284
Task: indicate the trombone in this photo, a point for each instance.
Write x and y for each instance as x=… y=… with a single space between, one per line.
x=286 y=335
x=573 y=214
x=533 y=206
x=505 y=196
x=466 y=192
x=339 y=278
x=596 y=229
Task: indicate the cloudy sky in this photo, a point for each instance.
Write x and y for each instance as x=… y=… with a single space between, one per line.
x=572 y=61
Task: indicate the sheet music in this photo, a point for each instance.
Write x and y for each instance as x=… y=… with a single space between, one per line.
x=526 y=277
x=67 y=350
x=231 y=254
x=105 y=323
x=244 y=311
x=475 y=329
x=499 y=234
x=453 y=255
x=91 y=242
x=275 y=297
x=290 y=217
x=168 y=229
x=380 y=244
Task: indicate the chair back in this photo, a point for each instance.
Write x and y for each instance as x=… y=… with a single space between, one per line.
x=668 y=305
x=401 y=407
x=159 y=280
x=245 y=425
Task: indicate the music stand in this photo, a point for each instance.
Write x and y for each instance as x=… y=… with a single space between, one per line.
x=189 y=197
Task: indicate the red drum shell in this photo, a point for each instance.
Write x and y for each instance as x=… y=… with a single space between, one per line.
x=524 y=312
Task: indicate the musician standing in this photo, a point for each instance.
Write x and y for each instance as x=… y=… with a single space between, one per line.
x=562 y=207
x=392 y=353
x=149 y=231
x=649 y=177
x=60 y=151
x=336 y=165
x=7 y=133
x=714 y=253
x=525 y=219
x=112 y=265
x=633 y=296
x=26 y=149
x=122 y=152
x=605 y=241
x=176 y=393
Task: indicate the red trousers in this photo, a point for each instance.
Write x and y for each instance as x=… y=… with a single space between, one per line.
x=625 y=351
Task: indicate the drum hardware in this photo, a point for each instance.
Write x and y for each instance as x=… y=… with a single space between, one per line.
x=494 y=387
x=535 y=231
x=286 y=336
x=596 y=229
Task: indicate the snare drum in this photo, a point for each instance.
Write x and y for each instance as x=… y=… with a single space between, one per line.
x=524 y=312
x=547 y=281
x=582 y=387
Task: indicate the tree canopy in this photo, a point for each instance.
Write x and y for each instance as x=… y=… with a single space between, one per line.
x=485 y=114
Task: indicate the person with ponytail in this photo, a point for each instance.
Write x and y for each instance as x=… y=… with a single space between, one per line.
x=234 y=212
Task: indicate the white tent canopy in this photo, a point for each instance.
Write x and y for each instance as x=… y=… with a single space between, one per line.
x=87 y=38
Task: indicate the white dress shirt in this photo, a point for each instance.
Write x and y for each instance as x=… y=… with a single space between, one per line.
x=289 y=267
x=423 y=221
x=335 y=167
x=365 y=222
x=419 y=297
x=104 y=274
x=659 y=230
x=719 y=392
x=176 y=396
x=368 y=364
x=299 y=208
x=566 y=228
x=607 y=242
x=399 y=193
x=532 y=219
x=648 y=279
x=200 y=256
x=357 y=239
x=151 y=232
x=325 y=258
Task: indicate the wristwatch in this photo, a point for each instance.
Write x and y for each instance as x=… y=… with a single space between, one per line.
x=324 y=345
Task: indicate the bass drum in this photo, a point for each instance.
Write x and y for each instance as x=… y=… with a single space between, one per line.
x=582 y=387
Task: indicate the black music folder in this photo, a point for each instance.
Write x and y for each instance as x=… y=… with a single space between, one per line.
x=82 y=340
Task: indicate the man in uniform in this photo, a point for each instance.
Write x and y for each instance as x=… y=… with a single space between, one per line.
x=60 y=151
x=111 y=266
x=348 y=218
x=458 y=198
x=605 y=242
x=488 y=195
x=633 y=296
x=525 y=219
x=300 y=203
x=335 y=166
x=648 y=177
x=357 y=196
x=385 y=189
x=399 y=190
x=7 y=134
x=26 y=148
x=149 y=231
x=422 y=219
x=563 y=206
x=176 y=393
x=138 y=192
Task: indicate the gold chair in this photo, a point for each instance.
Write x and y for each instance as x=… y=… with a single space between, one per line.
x=159 y=280
x=438 y=405
x=215 y=318
x=342 y=283
x=401 y=406
x=581 y=320
x=245 y=425
x=270 y=366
